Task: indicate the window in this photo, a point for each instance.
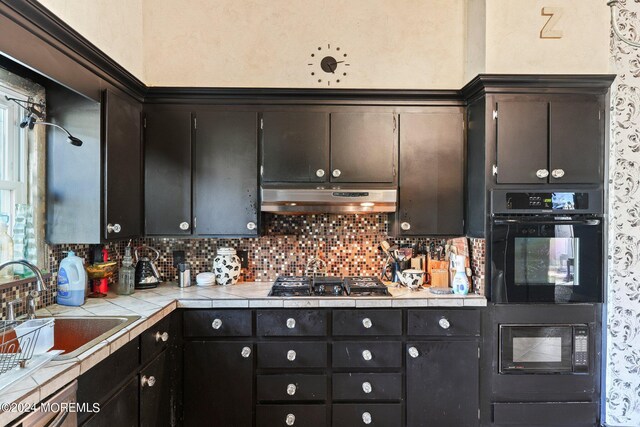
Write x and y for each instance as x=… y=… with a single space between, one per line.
x=13 y=157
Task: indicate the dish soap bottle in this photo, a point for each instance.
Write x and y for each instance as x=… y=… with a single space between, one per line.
x=126 y=275
x=6 y=251
x=460 y=280
x=72 y=281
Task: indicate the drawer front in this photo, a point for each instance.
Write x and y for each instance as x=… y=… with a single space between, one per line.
x=443 y=322
x=292 y=387
x=546 y=414
x=217 y=323
x=155 y=339
x=367 y=354
x=375 y=415
x=286 y=323
x=292 y=355
x=367 y=322
x=291 y=415
x=367 y=386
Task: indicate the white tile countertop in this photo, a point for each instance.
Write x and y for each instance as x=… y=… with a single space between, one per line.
x=154 y=304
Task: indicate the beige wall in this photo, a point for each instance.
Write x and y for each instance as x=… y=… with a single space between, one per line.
x=421 y=44
x=390 y=44
x=514 y=44
x=114 y=26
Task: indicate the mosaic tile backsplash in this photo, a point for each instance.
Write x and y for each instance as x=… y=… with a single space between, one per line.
x=348 y=244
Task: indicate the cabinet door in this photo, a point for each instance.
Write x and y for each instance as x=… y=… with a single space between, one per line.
x=576 y=138
x=295 y=146
x=120 y=410
x=218 y=384
x=521 y=146
x=363 y=147
x=453 y=366
x=122 y=167
x=168 y=172
x=156 y=392
x=431 y=174
x=226 y=174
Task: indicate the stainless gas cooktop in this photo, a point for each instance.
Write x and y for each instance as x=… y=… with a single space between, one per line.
x=305 y=286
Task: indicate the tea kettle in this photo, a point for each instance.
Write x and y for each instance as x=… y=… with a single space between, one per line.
x=147 y=275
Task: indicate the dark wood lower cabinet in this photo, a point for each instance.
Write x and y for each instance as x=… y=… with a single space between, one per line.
x=155 y=393
x=442 y=383
x=121 y=410
x=218 y=384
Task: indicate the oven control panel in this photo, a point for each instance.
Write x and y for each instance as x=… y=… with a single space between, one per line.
x=580 y=349
x=557 y=201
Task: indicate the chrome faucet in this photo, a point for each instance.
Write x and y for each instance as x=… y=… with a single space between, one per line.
x=40 y=286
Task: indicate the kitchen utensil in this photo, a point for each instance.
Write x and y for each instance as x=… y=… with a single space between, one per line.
x=412 y=279
x=147 y=275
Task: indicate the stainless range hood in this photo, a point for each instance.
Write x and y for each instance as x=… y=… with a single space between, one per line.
x=307 y=199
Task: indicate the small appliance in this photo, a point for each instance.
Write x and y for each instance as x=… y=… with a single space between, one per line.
x=147 y=275
x=328 y=286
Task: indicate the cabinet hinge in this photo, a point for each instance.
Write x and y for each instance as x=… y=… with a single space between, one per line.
x=144 y=122
x=599 y=114
x=195 y=222
x=261 y=123
x=395 y=125
x=478 y=413
x=261 y=170
x=478 y=352
x=494 y=170
x=195 y=123
x=495 y=114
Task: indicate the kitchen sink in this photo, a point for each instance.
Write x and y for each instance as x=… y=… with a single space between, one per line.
x=75 y=335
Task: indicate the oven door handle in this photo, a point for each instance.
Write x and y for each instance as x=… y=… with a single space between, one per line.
x=590 y=222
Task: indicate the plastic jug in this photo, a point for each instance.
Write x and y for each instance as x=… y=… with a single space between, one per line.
x=72 y=281
x=460 y=283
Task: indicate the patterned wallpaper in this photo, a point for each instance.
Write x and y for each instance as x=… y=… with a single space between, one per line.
x=623 y=323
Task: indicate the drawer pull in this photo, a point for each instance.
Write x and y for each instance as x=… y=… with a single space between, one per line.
x=164 y=336
x=444 y=323
x=366 y=355
x=290 y=420
x=366 y=418
x=216 y=324
x=246 y=352
x=291 y=389
x=413 y=352
x=291 y=323
x=147 y=381
x=291 y=355
x=366 y=387
x=366 y=322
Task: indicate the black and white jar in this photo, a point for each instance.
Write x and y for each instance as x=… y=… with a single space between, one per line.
x=226 y=266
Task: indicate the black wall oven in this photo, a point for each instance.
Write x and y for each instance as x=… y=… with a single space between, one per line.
x=551 y=253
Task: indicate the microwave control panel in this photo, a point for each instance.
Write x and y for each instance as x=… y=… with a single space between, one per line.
x=580 y=349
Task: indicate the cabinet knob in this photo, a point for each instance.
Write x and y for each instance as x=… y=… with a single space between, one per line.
x=413 y=352
x=162 y=336
x=184 y=226
x=251 y=226
x=291 y=389
x=291 y=323
x=147 y=381
x=366 y=355
x=113 y=228
x=216 y=324
x=557 y=173
x=291 y=355
x=246 y=352
x=405 y=226
x=366 y=322
x=366 y=418
x=336 y=173
x=320 y=173
x=444 y=323
x=290 y=420
x=366 y=387
x=542 y=173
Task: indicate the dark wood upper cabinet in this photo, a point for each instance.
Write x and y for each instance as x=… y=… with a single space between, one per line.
x=555 y=139
x=226 y=174
x=167 y=151
x=363 y=147
x=431 y=181
x=521 y=141
x=295 y=146
x=123 y=167
x=576 y=139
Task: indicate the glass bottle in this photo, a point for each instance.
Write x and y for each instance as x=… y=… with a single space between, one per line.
x=126 y=275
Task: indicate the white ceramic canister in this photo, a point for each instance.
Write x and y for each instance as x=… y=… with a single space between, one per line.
x=226 y=266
